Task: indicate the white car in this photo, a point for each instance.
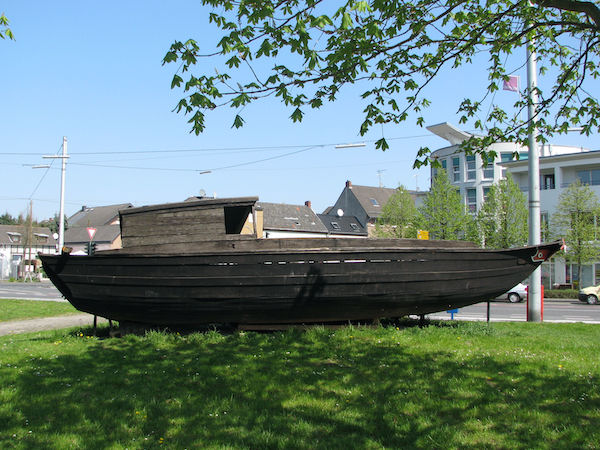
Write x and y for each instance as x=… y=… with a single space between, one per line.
x=516 y=294
x=589 y=295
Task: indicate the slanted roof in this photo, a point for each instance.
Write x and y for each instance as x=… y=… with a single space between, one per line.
x=283 y=217
x=97 y=216
x=371 y=198
x=104 y=234
x=42 y=236
x=348 y=225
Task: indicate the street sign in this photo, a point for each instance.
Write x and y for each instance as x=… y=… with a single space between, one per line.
x=91 y=232
x=452 y=312
x=423 y=234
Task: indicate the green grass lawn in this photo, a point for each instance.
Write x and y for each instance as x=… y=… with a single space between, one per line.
x=30 y=309
x=455 y=385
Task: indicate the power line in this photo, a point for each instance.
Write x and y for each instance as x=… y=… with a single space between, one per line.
x=210 y=149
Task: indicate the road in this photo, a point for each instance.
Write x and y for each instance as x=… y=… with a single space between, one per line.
x=30 y=291
x=554 y=310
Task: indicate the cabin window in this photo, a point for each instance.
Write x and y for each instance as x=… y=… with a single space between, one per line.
x=235 y=218
x=354 y=227
x=335 y=226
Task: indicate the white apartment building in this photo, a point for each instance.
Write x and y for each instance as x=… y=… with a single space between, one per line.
x=557 y=172
x=559 y=167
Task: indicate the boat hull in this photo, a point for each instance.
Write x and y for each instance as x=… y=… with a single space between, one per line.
x=301 y=286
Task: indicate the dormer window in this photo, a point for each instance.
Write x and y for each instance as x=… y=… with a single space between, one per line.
x=14 y=237
x=41 y=238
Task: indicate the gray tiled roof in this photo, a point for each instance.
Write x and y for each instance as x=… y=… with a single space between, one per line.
x=96 y=216
x=278 y=216
x=21 y=229
x=104 y=234
x=371 y=198
x=348 y=225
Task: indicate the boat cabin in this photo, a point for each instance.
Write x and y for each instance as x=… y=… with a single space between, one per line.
x=189 y=222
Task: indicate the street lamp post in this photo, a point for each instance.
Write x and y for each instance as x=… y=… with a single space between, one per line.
x=534 y=303
x=61 y=219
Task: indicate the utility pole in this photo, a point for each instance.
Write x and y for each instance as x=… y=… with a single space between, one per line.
x=61 y=219
x=27 y=253
x=534 y=304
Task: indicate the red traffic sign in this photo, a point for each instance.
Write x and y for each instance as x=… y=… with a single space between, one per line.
x=91 y=232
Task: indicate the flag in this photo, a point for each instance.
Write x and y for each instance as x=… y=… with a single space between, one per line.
x=512 y=84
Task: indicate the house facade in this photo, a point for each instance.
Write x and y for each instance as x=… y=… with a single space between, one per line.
x=557 y=172
x=16 y=247
x=470 y=175
x=104 y=219
x=559 y=167
x=365 y=203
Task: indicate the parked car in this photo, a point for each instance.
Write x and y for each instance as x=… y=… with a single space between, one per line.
x=515 y=295
x=590 y=295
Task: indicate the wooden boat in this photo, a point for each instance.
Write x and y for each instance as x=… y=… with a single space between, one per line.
x=199 y=262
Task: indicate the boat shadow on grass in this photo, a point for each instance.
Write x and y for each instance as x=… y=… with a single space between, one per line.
x=320 y=388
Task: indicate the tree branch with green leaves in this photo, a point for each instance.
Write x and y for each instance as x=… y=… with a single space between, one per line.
x=305 y=52
x=5 y=31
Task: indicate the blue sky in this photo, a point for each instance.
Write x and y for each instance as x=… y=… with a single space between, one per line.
x=91 y=71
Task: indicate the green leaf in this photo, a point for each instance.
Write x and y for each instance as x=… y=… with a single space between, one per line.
x=346 y=21
x=238 y=122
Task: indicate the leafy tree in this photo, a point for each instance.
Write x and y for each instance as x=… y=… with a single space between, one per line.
x=52 y=223
x=5 y=32
x=443 y=212
x=398 y=216
x=575 y=221
x=502 y=219
x=8 y=219
x=394 y=49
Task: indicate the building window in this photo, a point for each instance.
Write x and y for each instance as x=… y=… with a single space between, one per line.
x=14 y=237
x=471 y=174
x=546 y=181
x=374 y=202
x=335 y=226
x=472 y=200
x=488 y=171
x=486 y=192
x=590 y=177
x=456 y=169
x=41 y=238
x=505 y=157
x=435 y=170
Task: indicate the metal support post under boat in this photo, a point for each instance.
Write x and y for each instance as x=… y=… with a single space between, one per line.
x=95 y=322
x=534 y=307
x=488 y=311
